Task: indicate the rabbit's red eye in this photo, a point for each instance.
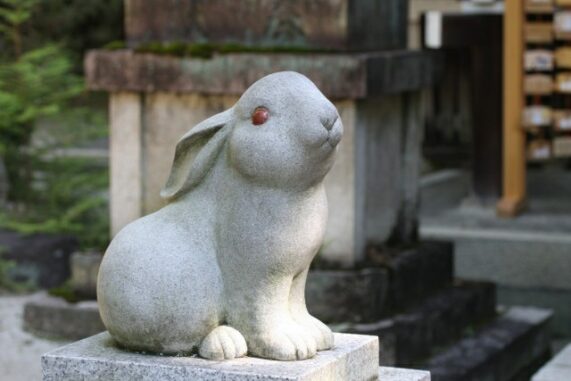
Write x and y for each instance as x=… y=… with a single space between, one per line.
x=260 y=116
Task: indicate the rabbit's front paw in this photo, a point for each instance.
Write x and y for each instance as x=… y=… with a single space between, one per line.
x=223 y=343
x=285 y=342
x=322 y=333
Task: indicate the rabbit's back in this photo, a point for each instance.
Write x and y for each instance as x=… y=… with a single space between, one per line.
x=156 y=282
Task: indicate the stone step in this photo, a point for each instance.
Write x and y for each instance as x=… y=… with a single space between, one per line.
x=54 y=318
x=559 y=368
x=394 y=280
x=529 y=257
x=408 y=337
x=419 y=272
x=511 y=348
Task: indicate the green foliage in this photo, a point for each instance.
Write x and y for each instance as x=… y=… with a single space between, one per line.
x=66 y=193
x=115 y=45
x=13 y=15
x=37 y=84
x=78 y=25
x=49 y=191
x=33 y=83
x=66 y=292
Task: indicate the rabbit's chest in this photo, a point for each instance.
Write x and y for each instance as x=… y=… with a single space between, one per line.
x=279 y=232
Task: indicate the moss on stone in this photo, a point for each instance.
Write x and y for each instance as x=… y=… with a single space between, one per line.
x=115 y=45
x=66 y=292
x=207 y=50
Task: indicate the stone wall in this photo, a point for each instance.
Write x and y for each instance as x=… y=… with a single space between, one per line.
x=313 y=24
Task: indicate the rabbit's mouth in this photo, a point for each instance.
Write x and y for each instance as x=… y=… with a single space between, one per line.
x=334 y=134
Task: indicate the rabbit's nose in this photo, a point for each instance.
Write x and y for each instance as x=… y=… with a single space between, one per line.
x=328 y=123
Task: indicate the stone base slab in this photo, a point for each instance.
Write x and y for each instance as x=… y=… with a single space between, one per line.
x=354 y=357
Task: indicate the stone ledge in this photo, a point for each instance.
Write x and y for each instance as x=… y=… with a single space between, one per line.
x=399 y=374
x=339 y=76
x=336 y=296
x=559 y=368
x=55 y=318
x=354 y=357
x=510 y=348
x=408 y=337
x=402 y=279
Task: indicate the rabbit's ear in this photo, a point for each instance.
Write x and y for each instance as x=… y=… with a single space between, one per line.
x=196 y=153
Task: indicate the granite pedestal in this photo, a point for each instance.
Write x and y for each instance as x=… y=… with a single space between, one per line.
x=354 y=357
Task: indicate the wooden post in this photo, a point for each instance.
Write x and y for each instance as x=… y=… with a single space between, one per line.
x=514 y=158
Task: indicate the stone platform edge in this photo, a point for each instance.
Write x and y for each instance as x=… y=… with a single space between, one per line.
x=401 y=374
x=559 y=368
x=354 y=357
x=357 y=75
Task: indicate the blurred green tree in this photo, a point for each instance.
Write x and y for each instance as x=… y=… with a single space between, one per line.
x=39 y=81
x=79 y=25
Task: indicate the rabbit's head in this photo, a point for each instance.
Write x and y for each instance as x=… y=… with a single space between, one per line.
x=281 y=133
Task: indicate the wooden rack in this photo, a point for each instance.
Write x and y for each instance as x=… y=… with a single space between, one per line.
x=537 y=91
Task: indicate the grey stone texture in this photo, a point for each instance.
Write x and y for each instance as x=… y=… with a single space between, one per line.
x=409 y=337
x=510 y=348
x=396 y=279
x=418 y=272
x=41 y=259
x=525 y=263
x=52 y=317
x=354 y=358
x=317 y=24
x=558 y=368
x=357 y=76
x=399 y=374
x=84 y=270
x=443 y=190
x=527 y=271
x=246 y=213
x=387 y=144
x=527 y=257
x=557 y=300
x=553 y=373
x=347 y=295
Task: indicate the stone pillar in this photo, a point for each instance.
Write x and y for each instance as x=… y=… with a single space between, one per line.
x=126 y=154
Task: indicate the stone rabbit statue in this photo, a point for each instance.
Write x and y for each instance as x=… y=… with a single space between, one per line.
x=222 y=267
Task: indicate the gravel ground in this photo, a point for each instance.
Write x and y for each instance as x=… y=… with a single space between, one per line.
x=19 y=351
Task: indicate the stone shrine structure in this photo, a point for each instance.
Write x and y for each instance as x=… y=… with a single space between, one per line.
x=340 y=45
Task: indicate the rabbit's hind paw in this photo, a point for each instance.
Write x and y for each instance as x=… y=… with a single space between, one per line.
x=223 y=343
